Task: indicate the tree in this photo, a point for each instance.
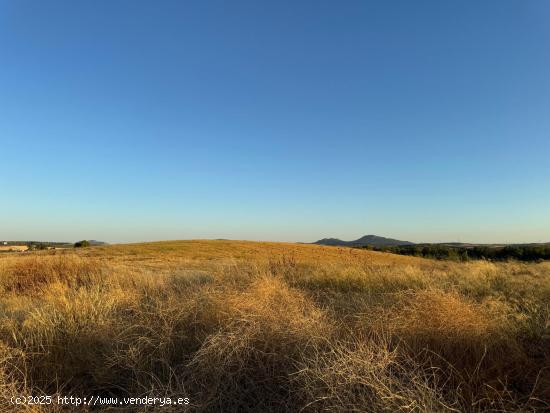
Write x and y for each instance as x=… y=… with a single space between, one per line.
x=82 y=244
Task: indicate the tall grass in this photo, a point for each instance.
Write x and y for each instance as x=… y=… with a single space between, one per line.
x=264 y=327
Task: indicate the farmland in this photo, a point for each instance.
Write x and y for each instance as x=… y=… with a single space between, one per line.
x=13 y=248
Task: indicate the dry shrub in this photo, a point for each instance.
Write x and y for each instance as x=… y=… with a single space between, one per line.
x=363 y=374
x=246 y=365
x=11 y=378
x=159 y=335
x=65 y=339
x=426 y=314
x=479 y=353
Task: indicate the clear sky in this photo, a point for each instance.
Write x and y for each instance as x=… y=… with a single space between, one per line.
x=282 y=120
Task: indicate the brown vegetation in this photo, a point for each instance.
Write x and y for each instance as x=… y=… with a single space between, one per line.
x=260 y=327
x=11 y=248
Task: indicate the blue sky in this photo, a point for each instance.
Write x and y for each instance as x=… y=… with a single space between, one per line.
x=284 y=120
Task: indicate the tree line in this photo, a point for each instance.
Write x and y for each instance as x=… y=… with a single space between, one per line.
x=458 y=253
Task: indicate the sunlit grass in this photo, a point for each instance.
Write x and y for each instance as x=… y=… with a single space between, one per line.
x=243 y=326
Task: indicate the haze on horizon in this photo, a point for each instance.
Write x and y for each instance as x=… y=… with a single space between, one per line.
x=289 y=121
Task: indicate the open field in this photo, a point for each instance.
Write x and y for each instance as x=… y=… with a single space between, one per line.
x=4 y=248
x=273 y=327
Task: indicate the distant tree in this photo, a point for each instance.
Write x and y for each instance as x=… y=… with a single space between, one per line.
x=82 y=244
x=534 y=253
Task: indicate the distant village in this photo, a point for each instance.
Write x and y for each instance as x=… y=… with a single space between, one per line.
x=26 y=246
x=6 y=247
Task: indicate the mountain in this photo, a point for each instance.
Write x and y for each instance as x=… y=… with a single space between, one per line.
x=372 y=240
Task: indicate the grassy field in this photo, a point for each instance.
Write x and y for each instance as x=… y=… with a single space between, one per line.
x=7 y=248
x=273 y=327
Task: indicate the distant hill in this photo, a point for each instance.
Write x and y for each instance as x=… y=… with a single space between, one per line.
x=367 y=240
x=94 y=242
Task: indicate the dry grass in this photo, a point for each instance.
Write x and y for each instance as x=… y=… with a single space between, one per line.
x=243 y=326
x=4 y=248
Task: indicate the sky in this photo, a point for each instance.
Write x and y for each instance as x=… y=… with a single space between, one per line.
x=128 y=121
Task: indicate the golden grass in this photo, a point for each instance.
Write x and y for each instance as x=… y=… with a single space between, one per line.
x=243 y=326
x=8 y=248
